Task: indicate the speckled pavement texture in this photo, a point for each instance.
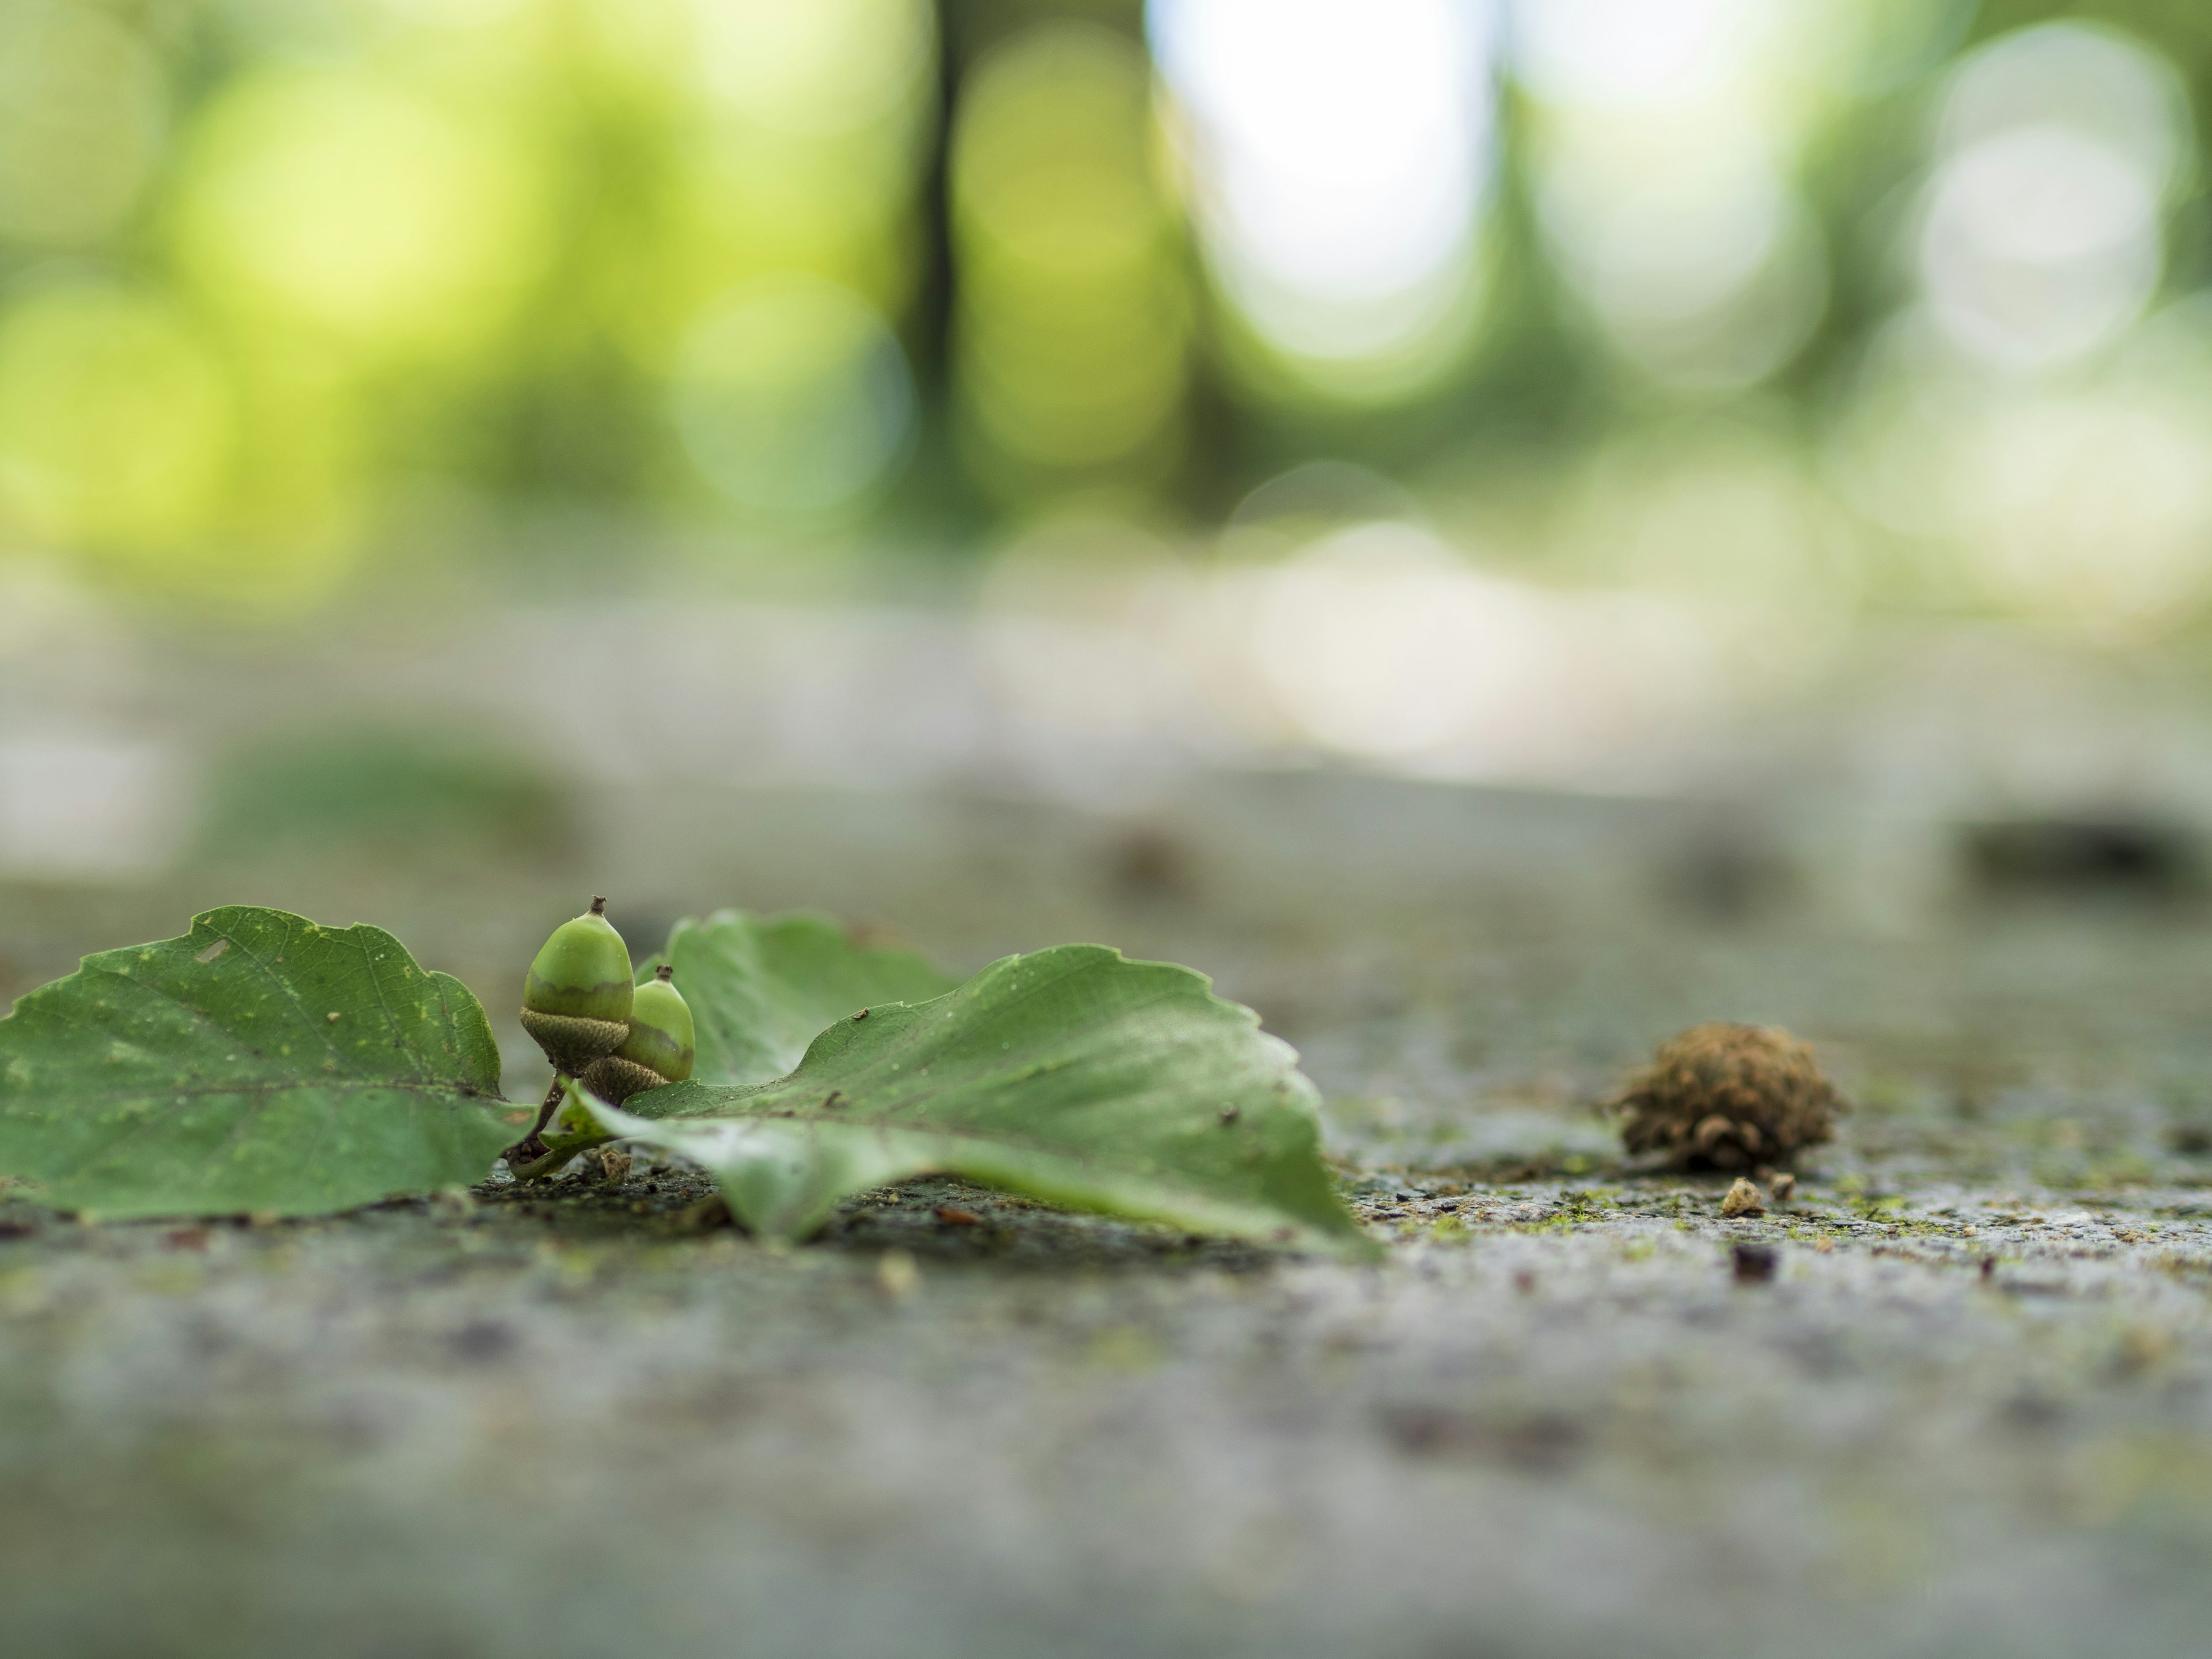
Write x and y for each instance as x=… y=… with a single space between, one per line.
x=1954 y=1399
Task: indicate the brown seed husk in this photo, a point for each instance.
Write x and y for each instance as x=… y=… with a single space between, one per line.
x=1727 y=1097
x=571 y=1041
x=615 y=1079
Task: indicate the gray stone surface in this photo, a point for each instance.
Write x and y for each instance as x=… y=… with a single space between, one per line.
x=1967 y=1413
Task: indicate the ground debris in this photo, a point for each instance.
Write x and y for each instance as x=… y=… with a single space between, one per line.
x=709 y=1213
x=1743 y=1199
x=1753 y=1264
x=1540 y=1442
x=897 y=1274
x=1727 y=1097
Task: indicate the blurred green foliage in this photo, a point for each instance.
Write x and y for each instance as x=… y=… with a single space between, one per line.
x=378 y=791
x=274 y=274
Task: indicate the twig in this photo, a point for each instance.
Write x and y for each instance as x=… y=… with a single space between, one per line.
x=531 y=1147
x=557 y=1152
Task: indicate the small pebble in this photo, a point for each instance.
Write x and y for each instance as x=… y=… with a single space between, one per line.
x=2142 y=1348
x=708 y=1213
x=1743 y=1199
x=1783 y=1188
x=1753 y=1264
x=896 y=1275
x=453 y=1204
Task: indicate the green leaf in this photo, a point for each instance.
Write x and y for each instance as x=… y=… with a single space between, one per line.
x=260 y=1063
x=761 y=987
x=1072 y=1074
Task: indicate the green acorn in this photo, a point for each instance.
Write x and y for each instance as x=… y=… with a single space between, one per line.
x=576 y=1002
x=658 y=1049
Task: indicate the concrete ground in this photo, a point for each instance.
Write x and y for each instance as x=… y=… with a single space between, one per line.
x=1968 y=1410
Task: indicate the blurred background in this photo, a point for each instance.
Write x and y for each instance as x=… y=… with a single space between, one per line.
x=1017 y=466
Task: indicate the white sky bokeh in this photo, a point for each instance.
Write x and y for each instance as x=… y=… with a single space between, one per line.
x=2042 y=236
x=1340 y=154
x=1665 y=136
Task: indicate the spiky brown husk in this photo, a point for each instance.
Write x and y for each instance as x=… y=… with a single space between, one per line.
x=615 y=1079
x=571 y=1041
x=1727 y=1097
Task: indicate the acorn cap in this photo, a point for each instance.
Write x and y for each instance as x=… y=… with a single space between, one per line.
x=576 y=1002
x=658 y=1049
x=571 y=1044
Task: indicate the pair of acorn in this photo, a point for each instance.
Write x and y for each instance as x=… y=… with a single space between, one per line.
x=596 y=1024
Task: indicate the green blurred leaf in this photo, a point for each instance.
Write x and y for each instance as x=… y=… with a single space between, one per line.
x=761 y=987
x=407 y=792
x=259 y=1063
x=1072 y=1073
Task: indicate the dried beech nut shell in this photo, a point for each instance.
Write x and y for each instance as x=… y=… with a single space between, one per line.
x=1727 y=1097
x=576 y=1002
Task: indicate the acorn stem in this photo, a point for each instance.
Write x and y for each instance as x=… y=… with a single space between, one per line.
x=529 y=1146
x=563 y=1148
x=598 y=904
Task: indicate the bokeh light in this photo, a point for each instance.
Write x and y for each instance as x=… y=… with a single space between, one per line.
x=802 y=150
x=2028 y=442
x=831 y=66
x=1073 y=322
x=2085 y=503
x=793 y=397
x=1726 y=513
x=1340 y=155
x=117 y=420
x=1665 y=136
x=362 y=207
x=2094 y=507
x=1810 y=312
x=1382 y=644
x=2043 y=236
x=1380 y=641
x=83 y=104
